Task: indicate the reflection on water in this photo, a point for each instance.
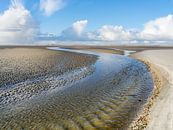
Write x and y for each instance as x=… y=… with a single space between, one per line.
x=107 y=99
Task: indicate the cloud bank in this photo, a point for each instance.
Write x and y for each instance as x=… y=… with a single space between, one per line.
x=105 y=33
x=51 y=6
x=17 y=25
x=158 y=30
x=112 y=33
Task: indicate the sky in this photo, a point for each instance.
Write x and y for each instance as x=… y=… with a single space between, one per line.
x=116 y=21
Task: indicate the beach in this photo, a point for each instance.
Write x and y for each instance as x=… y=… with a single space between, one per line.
x=70 y=89
x=19 y=64
x=158 y=112
x=86 y=88
x=86 y=65
x=26 y=72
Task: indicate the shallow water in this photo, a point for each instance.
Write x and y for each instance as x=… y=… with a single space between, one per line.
x=107 y=98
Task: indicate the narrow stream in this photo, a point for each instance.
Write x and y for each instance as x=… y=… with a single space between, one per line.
x=109 y=98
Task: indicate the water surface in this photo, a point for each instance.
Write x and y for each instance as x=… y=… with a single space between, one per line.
x=107 y=98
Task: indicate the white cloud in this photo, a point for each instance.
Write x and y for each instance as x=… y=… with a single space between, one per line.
x=158 y=29
x=17 y=25
x=51 y=6
x=113 y=33
x=105 y=33
x=79 y=26
x=75 y=32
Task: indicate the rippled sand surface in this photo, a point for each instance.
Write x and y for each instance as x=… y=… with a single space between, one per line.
x=106 y=95
x=21 y=64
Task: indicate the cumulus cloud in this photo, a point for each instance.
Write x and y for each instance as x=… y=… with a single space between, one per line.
x=113 y=33
x=158 y=29
x=51 y=6
x=17 y=25
x=75 y=32
x=79 y=26
x=105 y=33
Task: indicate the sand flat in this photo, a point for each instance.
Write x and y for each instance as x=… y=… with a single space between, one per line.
x=107 y=98
x=162 y=111
x=20 y=64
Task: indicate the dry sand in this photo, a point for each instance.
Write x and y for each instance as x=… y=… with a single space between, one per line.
x=160 y=115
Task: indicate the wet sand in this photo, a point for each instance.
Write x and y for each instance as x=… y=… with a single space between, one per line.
x=19 y=64
x=158 y=112
x=108 y=96
x=26 y=72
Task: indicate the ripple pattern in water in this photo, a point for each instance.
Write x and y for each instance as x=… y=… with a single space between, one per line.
x=107 y=99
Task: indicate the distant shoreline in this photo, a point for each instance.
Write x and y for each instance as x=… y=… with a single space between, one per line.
x=122 y=47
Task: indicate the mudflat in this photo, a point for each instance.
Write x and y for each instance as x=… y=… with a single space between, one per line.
x=93 y=92
x=19 y=64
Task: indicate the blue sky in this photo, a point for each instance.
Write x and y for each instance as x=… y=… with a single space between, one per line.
x=130 y=14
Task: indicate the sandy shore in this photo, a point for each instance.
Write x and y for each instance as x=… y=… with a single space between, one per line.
x=26 y=72
x=158 y=112
x=108 y=98
x=19 y=64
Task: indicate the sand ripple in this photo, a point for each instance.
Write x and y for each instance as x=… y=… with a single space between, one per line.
x=107 y=97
